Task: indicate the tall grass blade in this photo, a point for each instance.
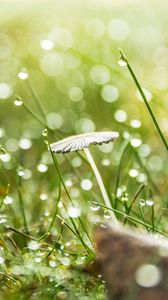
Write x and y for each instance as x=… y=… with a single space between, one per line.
x=21 y=202
x=124 y=58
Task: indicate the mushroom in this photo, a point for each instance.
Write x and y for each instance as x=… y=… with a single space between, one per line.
x=82 y=142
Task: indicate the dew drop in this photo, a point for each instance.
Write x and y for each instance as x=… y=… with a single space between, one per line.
x=142 y=202
x=45 y=132
x=20 y=171
x=106 y=214
x=124 y=197
x=23 y=75
x=94 y=207
x=52 y=263
x=149 y=202
x=66 y=261
x=8 y=200
x=86 y=184
x=33 y=245
x=18 y=101
x=122 y=62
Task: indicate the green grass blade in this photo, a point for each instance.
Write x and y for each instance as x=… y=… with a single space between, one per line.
x=119 y=171
x=38 y=102
x=124 y=58
x=21 y=202
x=56 y=206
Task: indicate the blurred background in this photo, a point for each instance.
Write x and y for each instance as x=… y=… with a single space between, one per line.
x=66 y=54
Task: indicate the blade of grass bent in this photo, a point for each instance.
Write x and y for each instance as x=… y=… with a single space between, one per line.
x=130 y=218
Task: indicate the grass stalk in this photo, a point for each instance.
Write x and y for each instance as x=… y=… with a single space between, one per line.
x=21 y=202
x=124 y=58
x=143 y=218
x=36 y=117
x=119 y=170
x=135 y=197
x=38 y=102
x=141 y=164
x=56 y=207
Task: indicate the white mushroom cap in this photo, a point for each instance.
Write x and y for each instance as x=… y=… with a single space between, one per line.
x=81 y=141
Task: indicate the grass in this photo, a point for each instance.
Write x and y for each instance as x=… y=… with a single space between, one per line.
x=124 y=59
x=45 y=252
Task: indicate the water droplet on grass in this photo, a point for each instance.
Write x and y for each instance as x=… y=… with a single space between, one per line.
x=122 y=62
x=86 y=184
x=94 y=207
x=124 y=197
x=107 y=214
x=133 y=172
x=8 y=200
x=142 y=202
x=33 y=245
x=23 y=75
x=18 y=101
x=66 y=261
x=45 y=132
x=136 y=142
x=149 y=202
x=52 y=263
x=135 y=123
x=20 y=171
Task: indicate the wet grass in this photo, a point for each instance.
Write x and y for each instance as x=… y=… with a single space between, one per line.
x=50 y=204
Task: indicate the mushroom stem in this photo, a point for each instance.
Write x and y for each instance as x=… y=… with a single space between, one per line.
x=101 y=184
